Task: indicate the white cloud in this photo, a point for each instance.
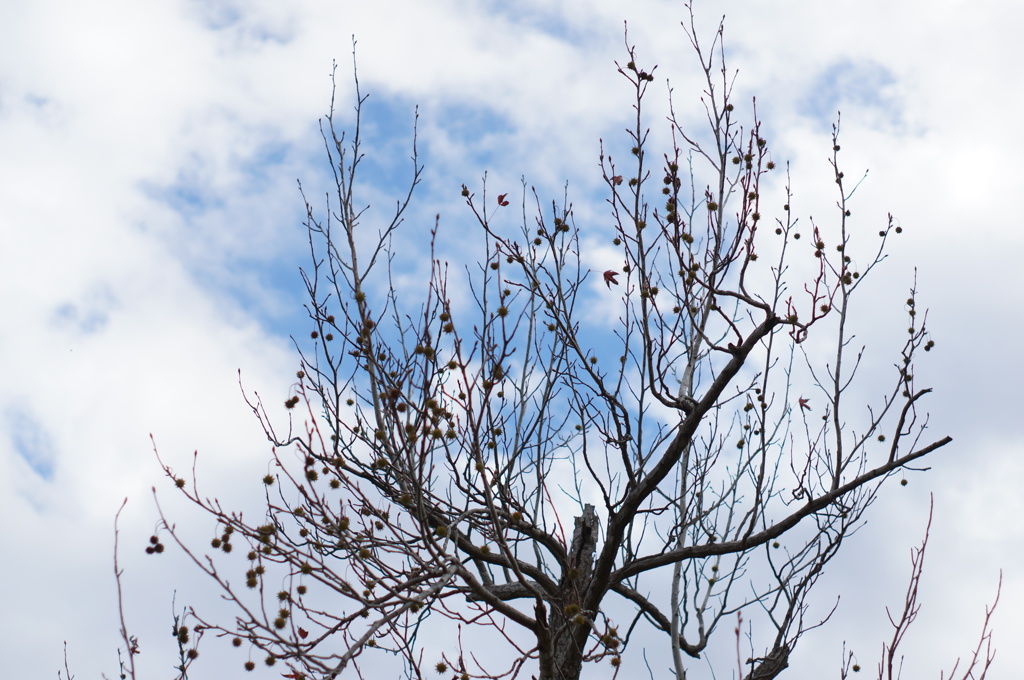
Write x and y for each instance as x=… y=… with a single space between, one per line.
x=150 y=225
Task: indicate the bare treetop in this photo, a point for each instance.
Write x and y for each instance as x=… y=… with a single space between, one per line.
x=555 y=491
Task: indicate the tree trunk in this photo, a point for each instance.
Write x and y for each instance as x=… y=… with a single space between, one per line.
x=568 y=625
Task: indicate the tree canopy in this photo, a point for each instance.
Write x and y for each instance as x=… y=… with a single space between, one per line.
x=567 y=465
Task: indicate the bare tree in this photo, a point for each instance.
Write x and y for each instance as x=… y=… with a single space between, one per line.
x=564 y=481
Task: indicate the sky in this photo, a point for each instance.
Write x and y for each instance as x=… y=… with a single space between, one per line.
x=151 y=235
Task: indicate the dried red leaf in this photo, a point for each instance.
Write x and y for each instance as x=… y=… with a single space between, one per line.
x=609 y=278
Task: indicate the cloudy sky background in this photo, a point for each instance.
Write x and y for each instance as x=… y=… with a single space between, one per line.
x=150 y=235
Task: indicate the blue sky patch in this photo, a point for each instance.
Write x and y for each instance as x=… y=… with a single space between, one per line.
x=31 y=441
x=190 y=194
x=90 y=313
x=860 y=85
x=242 y=22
